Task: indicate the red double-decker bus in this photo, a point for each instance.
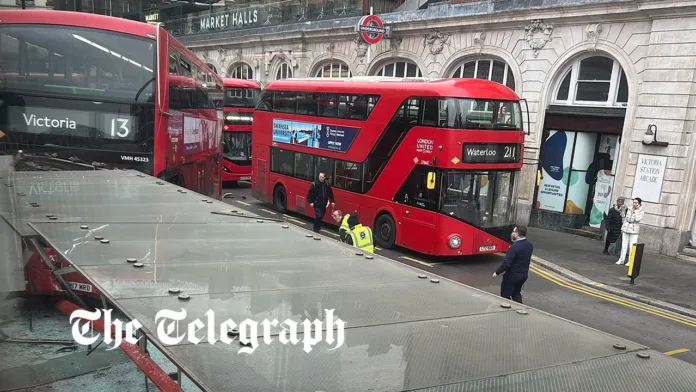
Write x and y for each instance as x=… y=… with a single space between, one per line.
x=431 y=164
x=239 y=100
x=108 y=92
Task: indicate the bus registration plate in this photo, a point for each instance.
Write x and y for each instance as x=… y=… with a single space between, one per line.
x=245 y=178
x=486 y=248
x=81 y=287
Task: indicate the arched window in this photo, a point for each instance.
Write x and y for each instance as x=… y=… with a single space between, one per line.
x=284 y=71
x=399 y=69
x=336 y=69
x=212 y=67
x=241 y=71
x=489 y=69
x=592 y=81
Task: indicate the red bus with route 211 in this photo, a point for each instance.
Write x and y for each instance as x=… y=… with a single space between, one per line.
x=239 y=100
x=432 y=165
x=108 y=92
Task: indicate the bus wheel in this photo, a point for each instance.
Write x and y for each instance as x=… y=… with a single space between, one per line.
x=385 y=231
x=280 y=199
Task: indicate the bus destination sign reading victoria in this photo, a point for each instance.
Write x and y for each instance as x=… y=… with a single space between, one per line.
x=490 y=153
x=322 y=136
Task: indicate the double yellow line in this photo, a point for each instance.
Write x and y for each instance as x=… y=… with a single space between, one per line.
x=610 y=298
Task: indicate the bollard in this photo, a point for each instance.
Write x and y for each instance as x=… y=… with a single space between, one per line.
x=634 y=261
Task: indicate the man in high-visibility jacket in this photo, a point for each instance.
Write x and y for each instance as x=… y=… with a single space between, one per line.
x=342 y=220
x=361 y=238
x=353 y=233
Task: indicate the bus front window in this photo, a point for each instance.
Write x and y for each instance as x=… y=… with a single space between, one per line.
x=483 y=199
x=237 y=146
x=484 y=114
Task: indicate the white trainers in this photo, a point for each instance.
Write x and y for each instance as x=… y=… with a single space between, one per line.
x=620 y=262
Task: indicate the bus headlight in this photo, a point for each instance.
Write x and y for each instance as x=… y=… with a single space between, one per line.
x=455 y=241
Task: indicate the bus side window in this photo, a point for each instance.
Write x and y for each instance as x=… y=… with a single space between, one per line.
x=266 y=101
x=431 y=111
x=326 y=166
x=304 y=166
x=282 y=161
x=306 y=104
x=327 y=105
x=348 y=176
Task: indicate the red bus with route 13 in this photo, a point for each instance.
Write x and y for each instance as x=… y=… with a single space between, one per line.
x=108 y=92
x=432 y=165
x=239 y=100
x=80 y=91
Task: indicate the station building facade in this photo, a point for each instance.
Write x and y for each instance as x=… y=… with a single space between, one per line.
x=604 y=80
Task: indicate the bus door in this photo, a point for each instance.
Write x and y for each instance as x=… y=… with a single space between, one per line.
x=417 y=223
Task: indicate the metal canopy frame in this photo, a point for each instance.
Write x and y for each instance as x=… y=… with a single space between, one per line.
x=405 y=330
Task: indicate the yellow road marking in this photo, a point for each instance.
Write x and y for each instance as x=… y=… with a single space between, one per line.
x=378 y=248
x=239 y=201
x=597 y=284
x=415 y=260
x=616 y=300
x=268 y=211
x=329 y=232
x=299 y=222
x=677 y=351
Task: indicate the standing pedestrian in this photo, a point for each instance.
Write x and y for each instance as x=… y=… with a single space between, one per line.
x=320 y=196
x=630 y=229
x=515 y=265
x=614 y=222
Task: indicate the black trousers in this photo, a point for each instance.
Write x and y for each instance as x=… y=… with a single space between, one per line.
x=319 y=211
x=511 y=287
x=606 y=244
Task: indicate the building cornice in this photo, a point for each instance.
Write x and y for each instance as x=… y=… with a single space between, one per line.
x=409 y=24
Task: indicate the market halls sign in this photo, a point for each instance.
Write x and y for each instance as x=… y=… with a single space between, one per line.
x=231 y=20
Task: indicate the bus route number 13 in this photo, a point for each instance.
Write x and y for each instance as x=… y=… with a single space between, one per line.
x=120 y=127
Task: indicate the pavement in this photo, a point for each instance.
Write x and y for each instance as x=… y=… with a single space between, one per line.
x=664 y=282
x=557 y=286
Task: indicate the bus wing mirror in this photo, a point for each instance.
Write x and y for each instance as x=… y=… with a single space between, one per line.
x=431 y=180
x=528 y=130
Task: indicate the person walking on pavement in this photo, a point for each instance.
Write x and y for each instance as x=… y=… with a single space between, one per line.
x=614 y=222
x=630 y=229
x=320 y=196
x=515 y=265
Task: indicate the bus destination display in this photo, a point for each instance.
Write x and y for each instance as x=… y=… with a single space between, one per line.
x=490 y=153
x=78 y=123
x=322 y=136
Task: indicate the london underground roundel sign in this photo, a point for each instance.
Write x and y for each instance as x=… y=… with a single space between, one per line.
x=371 y=29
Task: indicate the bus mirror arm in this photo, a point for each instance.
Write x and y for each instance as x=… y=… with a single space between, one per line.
x=529 y=130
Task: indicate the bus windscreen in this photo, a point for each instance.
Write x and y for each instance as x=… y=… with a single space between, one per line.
x=62 y=61
x=237 y=97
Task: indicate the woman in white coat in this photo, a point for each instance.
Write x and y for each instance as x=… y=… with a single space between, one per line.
x=630 y=229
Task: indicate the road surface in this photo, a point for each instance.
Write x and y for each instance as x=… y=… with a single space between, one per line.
x=671 y=334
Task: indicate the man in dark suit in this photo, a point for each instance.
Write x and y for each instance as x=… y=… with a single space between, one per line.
x=515 y=265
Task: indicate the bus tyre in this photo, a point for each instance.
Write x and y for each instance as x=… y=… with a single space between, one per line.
x=385 y=231
x=280 y=200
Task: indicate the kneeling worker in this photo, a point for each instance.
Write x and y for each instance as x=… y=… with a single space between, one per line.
x=342 y=220
x=353 y=233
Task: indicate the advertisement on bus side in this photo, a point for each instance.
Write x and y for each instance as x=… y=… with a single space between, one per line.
x=321 y=136
x=199 y=134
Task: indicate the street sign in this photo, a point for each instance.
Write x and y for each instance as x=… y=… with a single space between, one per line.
x=371 y=29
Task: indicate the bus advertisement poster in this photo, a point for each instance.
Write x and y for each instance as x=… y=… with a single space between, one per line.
x=322 y=136
x=192 y=134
